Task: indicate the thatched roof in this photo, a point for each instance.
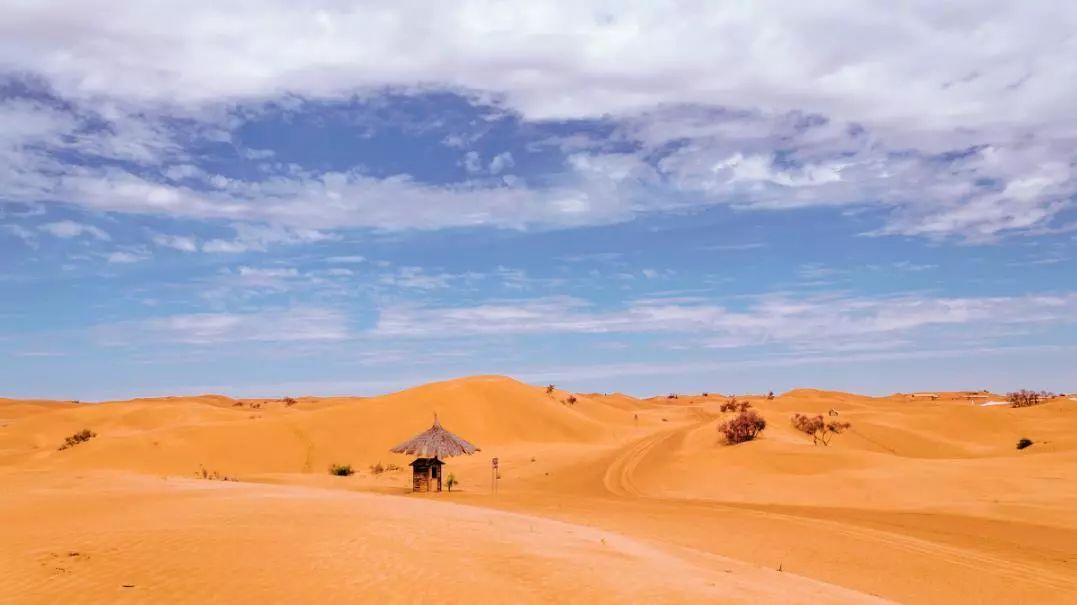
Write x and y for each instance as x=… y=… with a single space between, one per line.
x=435 y=442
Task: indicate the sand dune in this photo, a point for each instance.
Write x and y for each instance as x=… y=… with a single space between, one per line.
x=603 y=498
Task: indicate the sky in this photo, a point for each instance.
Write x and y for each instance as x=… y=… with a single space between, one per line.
x=319 y=198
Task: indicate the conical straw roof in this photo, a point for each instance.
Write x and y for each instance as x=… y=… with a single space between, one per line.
x=435 y=442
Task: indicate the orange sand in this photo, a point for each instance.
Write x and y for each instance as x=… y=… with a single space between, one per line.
x=609 y=499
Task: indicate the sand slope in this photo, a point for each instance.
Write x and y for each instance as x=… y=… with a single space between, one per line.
x=122 y=539
x=612 y=499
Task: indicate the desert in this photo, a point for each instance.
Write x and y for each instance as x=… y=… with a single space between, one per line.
x=599 y=498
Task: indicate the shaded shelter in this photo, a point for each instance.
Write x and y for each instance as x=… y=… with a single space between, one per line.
x=431 y=447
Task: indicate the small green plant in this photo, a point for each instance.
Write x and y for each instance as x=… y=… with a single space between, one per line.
x=451 y=481
x=80 y=437
x=340 y=470
x=1023 y=443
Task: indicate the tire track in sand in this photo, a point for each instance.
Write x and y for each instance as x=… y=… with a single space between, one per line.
x=619 y=480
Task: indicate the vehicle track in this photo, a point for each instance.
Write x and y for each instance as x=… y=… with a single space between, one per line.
x=619 y=480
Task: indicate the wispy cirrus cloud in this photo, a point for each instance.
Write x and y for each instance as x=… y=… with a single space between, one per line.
x=200 y=329
x=70 y=229
x=769 y=320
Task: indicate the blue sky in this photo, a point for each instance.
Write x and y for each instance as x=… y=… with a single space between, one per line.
x=723 y=198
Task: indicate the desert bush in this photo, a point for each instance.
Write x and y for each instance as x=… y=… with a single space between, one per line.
x=744 y=427
x=1023 y=443
x=571 y=400
x=1027 y=398
x=770 y=395
x=80 y=437
x=672 y=396
x=341 y=470
x=290 y=401
x=732 y=405
x=391 y=467
x=202 y=473
x=451 y=481
x=377 y=469
x=549 y=389
x=820 y=430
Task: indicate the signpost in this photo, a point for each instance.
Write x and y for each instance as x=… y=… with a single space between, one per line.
x=493 y=474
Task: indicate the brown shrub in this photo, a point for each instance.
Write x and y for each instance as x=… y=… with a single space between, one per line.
x=80 y=437
x=732 y=405
x=1027 y=398
x=820 y=430
x=744 y=427
x=290 y=401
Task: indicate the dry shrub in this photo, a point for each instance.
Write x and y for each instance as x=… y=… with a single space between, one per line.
x=340 y=470
x=744 y=427
x=770 y=395
x=290 y=401
x=820 y=430
x=377 y=469
x=732 y=405
x=202 y=473
x=549 y=389
x=80 y=437
x=1027 y=398
x=1023 y=443
x=571 y=400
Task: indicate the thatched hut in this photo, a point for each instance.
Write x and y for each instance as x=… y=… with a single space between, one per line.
x=430 y=447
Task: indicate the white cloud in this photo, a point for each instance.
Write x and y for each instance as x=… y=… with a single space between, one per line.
x=291 y=325
x=353 y=259
x=259 y=238
x=964 y=63
x=472 y=162
x=26 y=235
x=771 y=319
x=418 y=278
x=501 y=162
x=177 y=242
x=863 y=116
x=126 y=257
x=70 y=229
x=272 y=273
